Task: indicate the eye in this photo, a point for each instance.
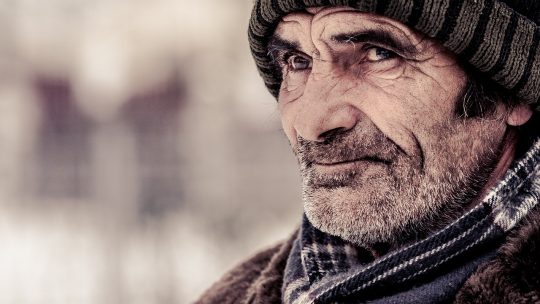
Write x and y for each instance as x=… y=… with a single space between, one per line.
x=379 y=54
x=297 y=63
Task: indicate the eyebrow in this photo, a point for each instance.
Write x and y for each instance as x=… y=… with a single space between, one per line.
x=382 y=37
x=279 y=44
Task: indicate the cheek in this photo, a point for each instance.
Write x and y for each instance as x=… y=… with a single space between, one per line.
x=293 y=86
x=420 y=96
x=408 y=107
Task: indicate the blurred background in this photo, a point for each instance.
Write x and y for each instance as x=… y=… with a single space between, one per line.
x=141 y=156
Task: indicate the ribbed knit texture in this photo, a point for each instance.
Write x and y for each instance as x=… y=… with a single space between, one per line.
x=498 y=38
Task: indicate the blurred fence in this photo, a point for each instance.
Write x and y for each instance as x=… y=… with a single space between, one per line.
x=141 y=155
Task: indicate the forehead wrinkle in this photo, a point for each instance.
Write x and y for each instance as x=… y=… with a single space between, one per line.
x=296 y=28
x=325 y=12
x=355 y=21
x=403 y=30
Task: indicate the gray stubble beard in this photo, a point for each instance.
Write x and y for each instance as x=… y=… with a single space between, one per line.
x=405 y=201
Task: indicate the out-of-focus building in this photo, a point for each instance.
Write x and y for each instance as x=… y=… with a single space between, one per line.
x=141 y=155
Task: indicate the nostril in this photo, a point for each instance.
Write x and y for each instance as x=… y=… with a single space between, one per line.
x=327 y=135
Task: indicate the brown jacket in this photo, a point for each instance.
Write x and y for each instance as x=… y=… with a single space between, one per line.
x=513 y=276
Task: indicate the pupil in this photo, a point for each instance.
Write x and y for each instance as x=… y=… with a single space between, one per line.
x=382 y=53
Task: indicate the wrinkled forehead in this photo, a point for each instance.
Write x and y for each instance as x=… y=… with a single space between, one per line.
x=324 y=24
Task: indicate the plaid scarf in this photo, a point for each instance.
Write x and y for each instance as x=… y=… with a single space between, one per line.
x=325 y=269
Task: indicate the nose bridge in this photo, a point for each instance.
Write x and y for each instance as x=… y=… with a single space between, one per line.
x=322 y=81
x=323 y=108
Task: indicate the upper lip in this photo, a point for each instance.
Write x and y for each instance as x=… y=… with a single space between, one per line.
x=338 y=162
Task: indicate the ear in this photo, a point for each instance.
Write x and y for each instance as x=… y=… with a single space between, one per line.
x=520 y=115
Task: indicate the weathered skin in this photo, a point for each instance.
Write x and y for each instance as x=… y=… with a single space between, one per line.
x=383 y=154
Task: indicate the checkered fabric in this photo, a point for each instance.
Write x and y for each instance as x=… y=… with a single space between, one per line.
x=325 y=269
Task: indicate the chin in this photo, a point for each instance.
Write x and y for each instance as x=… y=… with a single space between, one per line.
x=383 y=210
x=361 y=216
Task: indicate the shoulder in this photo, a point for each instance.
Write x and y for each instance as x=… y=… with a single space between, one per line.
x=237 y=284
x=514 y=275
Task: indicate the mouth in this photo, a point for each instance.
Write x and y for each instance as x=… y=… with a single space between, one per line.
x=344 y=166
x=350 y=162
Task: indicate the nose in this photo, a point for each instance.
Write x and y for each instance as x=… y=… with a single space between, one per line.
x=324 y=112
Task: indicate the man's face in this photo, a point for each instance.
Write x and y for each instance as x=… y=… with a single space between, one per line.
x=369 y=107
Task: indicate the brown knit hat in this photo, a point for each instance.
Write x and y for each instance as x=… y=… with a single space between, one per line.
x=497 y=37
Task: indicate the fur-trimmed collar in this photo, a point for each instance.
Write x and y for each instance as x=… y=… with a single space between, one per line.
x=514 y=275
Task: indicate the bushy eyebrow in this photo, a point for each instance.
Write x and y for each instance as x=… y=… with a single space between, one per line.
x=380 y=37
x=277 y=44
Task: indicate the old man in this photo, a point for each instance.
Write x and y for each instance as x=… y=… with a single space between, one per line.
x=416 y=126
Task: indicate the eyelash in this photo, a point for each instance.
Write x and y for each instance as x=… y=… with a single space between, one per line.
x=290 y=63
x=391 y=54
x=282 y=57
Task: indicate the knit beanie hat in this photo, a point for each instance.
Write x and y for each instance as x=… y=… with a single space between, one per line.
x=499 y=38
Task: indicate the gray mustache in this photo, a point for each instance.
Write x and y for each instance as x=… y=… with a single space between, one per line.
x=361 y=142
